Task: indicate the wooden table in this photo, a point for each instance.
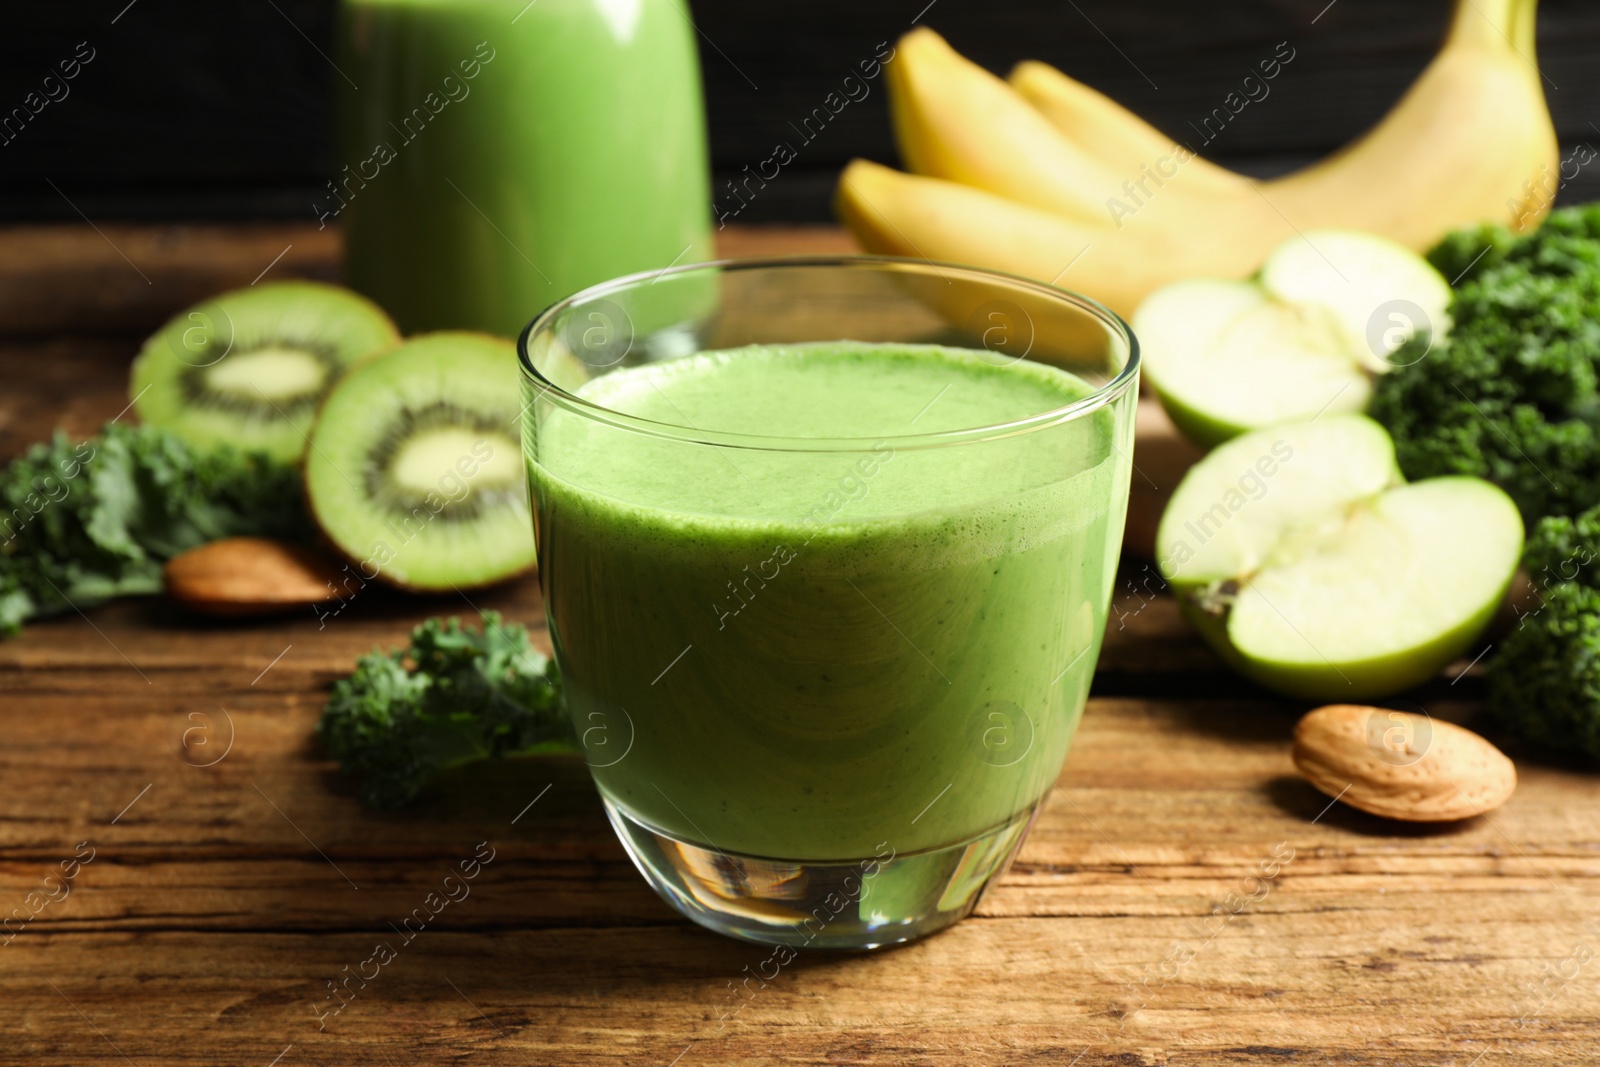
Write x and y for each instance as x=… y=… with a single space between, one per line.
x=1135 y=928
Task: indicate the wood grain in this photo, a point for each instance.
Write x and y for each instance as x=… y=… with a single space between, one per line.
x=126 y=279
x=1138 y=926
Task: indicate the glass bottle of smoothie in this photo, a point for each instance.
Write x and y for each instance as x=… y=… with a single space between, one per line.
x=499 y=155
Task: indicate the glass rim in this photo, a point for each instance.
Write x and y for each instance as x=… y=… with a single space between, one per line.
x=1099 y=397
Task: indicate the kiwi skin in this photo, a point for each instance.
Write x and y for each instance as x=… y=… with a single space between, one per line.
x=356 y=570
x=355 y=565
x=172 y=372
x=358 y=566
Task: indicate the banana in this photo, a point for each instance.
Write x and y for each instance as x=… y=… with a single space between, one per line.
x=893 y=213
x=955 y=120
x=1470 y=141
x=1120 y=139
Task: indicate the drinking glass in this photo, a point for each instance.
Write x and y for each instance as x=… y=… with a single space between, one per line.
x=824 y=684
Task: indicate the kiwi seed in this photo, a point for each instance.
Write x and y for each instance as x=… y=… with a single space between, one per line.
x=415 y=470
x=249 y=368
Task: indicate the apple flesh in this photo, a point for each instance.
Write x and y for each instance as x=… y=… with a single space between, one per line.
x=1377 y=293
x=1226 y=358
x=1312 y=567
x=1327 y=312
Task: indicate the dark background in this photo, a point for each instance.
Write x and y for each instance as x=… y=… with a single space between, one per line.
x=213 y=110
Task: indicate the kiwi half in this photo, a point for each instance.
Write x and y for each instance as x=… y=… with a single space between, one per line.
x=415 y=468
x=248 y=368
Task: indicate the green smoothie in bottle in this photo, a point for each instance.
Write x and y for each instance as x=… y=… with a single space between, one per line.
x=497 y=155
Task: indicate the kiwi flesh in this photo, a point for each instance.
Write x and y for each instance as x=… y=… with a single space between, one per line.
x=415 y=467
x=248 y=368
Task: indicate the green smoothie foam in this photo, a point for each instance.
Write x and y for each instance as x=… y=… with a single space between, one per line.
x=807 y=654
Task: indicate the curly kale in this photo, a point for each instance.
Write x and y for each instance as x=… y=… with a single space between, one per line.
x=1544 y=683
x=453 y=697
x=1513 y=395
x=82 y=523
x=1565 y=549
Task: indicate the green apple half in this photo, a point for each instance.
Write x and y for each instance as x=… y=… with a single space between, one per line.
x=1327 y=311
x=1376 y=292
x=1308 y=562
x=1226 y=358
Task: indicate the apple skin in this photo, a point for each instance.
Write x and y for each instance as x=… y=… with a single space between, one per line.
x=1345 y=463
x=1203 y=326
x=1212 y=628
x=1368 y=680
x=1204 y=430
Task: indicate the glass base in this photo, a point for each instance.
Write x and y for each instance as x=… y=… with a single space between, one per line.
x=880 y=900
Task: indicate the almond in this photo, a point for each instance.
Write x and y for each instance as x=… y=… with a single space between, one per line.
x=1400 y=765
x=241 y=576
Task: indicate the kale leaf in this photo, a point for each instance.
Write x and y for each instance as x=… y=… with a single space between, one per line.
x=453 y=697
x=1544 y=682
x=85 y=522
x=1513 y=393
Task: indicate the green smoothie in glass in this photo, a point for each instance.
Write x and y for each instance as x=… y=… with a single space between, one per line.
x=497 y=155
x=826 y=612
